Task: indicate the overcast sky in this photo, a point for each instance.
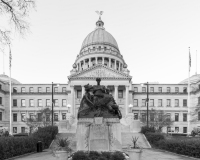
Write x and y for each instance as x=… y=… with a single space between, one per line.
x=153 y=36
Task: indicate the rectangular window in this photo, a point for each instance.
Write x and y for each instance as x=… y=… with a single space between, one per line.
x=55 y=116
x=120 y=93
x=143 y=102
x=47 y=89
x=64 y=89
x=168 y=129
x=1 y=101
x=160 y=89
x=135 y=103
x=185 y=103
x=160 y=102
x=79 y=94
x=15 y=102
x=160 y=117
x=184 y=89
x=143 y=89
x=1 y=116
x=151 y=102
x=14 y=117
x=22 y=129
x=176 y=103
x=176 y=129
x=56 y=103
x=23 y=117
x=48 y=117
x=168 y=116
x=39 y=116
x=168 y=90
x=14 y=90
x=135 y=116
x=176 y=89
x=39 y=103
x=199 y=116
x=39 y=89
x=176 y=117
x=31 y=103
x=31 y=89
x=151 y=117
x=14 y=129
x=48 y=103
x=23 y=89
x=23 y=103
x=63 y=116
x=151 y=89
x=184 y=129
x=32 y=116
x=55 y=89
x=184 y=117
x=64 y=102
x=135 y=89
x=168 y=102
x=143 y=117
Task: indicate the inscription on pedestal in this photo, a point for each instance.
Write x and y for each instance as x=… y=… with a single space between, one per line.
x=98 y=120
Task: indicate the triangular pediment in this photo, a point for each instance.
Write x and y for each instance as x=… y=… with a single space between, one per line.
x=100 y=71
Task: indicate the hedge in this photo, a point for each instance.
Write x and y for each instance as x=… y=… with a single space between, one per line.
x=15 y=146
x=94 y=155
x=153 y=138
x=189 y=147
x=146 y=129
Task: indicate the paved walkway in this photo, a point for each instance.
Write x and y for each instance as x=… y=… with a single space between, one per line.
x=147 y=154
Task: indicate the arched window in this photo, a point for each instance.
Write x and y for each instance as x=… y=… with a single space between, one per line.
x=99 y=48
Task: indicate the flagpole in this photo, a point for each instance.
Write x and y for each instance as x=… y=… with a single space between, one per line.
x=10 y=90
x=189 y=93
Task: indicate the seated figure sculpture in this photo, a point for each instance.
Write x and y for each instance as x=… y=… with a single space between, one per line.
x=98 y=102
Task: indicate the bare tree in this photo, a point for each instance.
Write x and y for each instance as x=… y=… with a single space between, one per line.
x=157 y=119
x=15 y=12
x=43 y=119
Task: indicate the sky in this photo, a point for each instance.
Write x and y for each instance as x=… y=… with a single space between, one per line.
x=153 y=36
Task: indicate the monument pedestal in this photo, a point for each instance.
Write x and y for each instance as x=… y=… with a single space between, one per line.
x=98 y=134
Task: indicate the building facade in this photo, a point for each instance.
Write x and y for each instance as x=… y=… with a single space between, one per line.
x=99 y=57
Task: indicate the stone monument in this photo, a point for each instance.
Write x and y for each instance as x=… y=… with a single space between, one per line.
x=98 y=127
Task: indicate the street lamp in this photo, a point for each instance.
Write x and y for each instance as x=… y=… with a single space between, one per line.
x=53 y=101
x=147 y=100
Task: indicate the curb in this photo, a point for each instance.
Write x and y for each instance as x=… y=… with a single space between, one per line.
x=13 y=158
x=185 y=156
x=146 y=140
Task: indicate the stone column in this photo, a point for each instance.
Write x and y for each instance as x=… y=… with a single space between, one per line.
x=73 y=100
x=83 y=91
x=96 y=60
x=90 y=62
x=115 y=64
x=109 y=64
x=103 y=60
x=127 y=99
x=116 y=93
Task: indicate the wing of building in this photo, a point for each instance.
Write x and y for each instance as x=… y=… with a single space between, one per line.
x=99 y=56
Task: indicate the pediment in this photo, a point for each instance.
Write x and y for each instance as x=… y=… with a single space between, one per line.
x=100 y=71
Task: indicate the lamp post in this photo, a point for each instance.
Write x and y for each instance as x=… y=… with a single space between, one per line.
x=52 y=101
x=147 y=100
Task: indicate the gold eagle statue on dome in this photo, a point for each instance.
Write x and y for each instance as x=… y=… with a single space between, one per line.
x=99 y=13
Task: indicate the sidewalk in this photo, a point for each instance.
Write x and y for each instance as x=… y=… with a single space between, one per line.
x=147 y=154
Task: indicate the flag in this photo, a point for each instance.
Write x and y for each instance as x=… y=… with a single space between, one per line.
x=10 y=57
x=189 y=59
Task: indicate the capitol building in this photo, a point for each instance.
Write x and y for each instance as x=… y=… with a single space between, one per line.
x=99 y=56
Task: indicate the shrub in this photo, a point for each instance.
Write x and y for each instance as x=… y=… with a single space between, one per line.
x=94 y=155
x=117 y=156
x=153 y=138
x=146 y=129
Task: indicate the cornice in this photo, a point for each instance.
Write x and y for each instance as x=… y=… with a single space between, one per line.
x=158 y=93
x=41 y=93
